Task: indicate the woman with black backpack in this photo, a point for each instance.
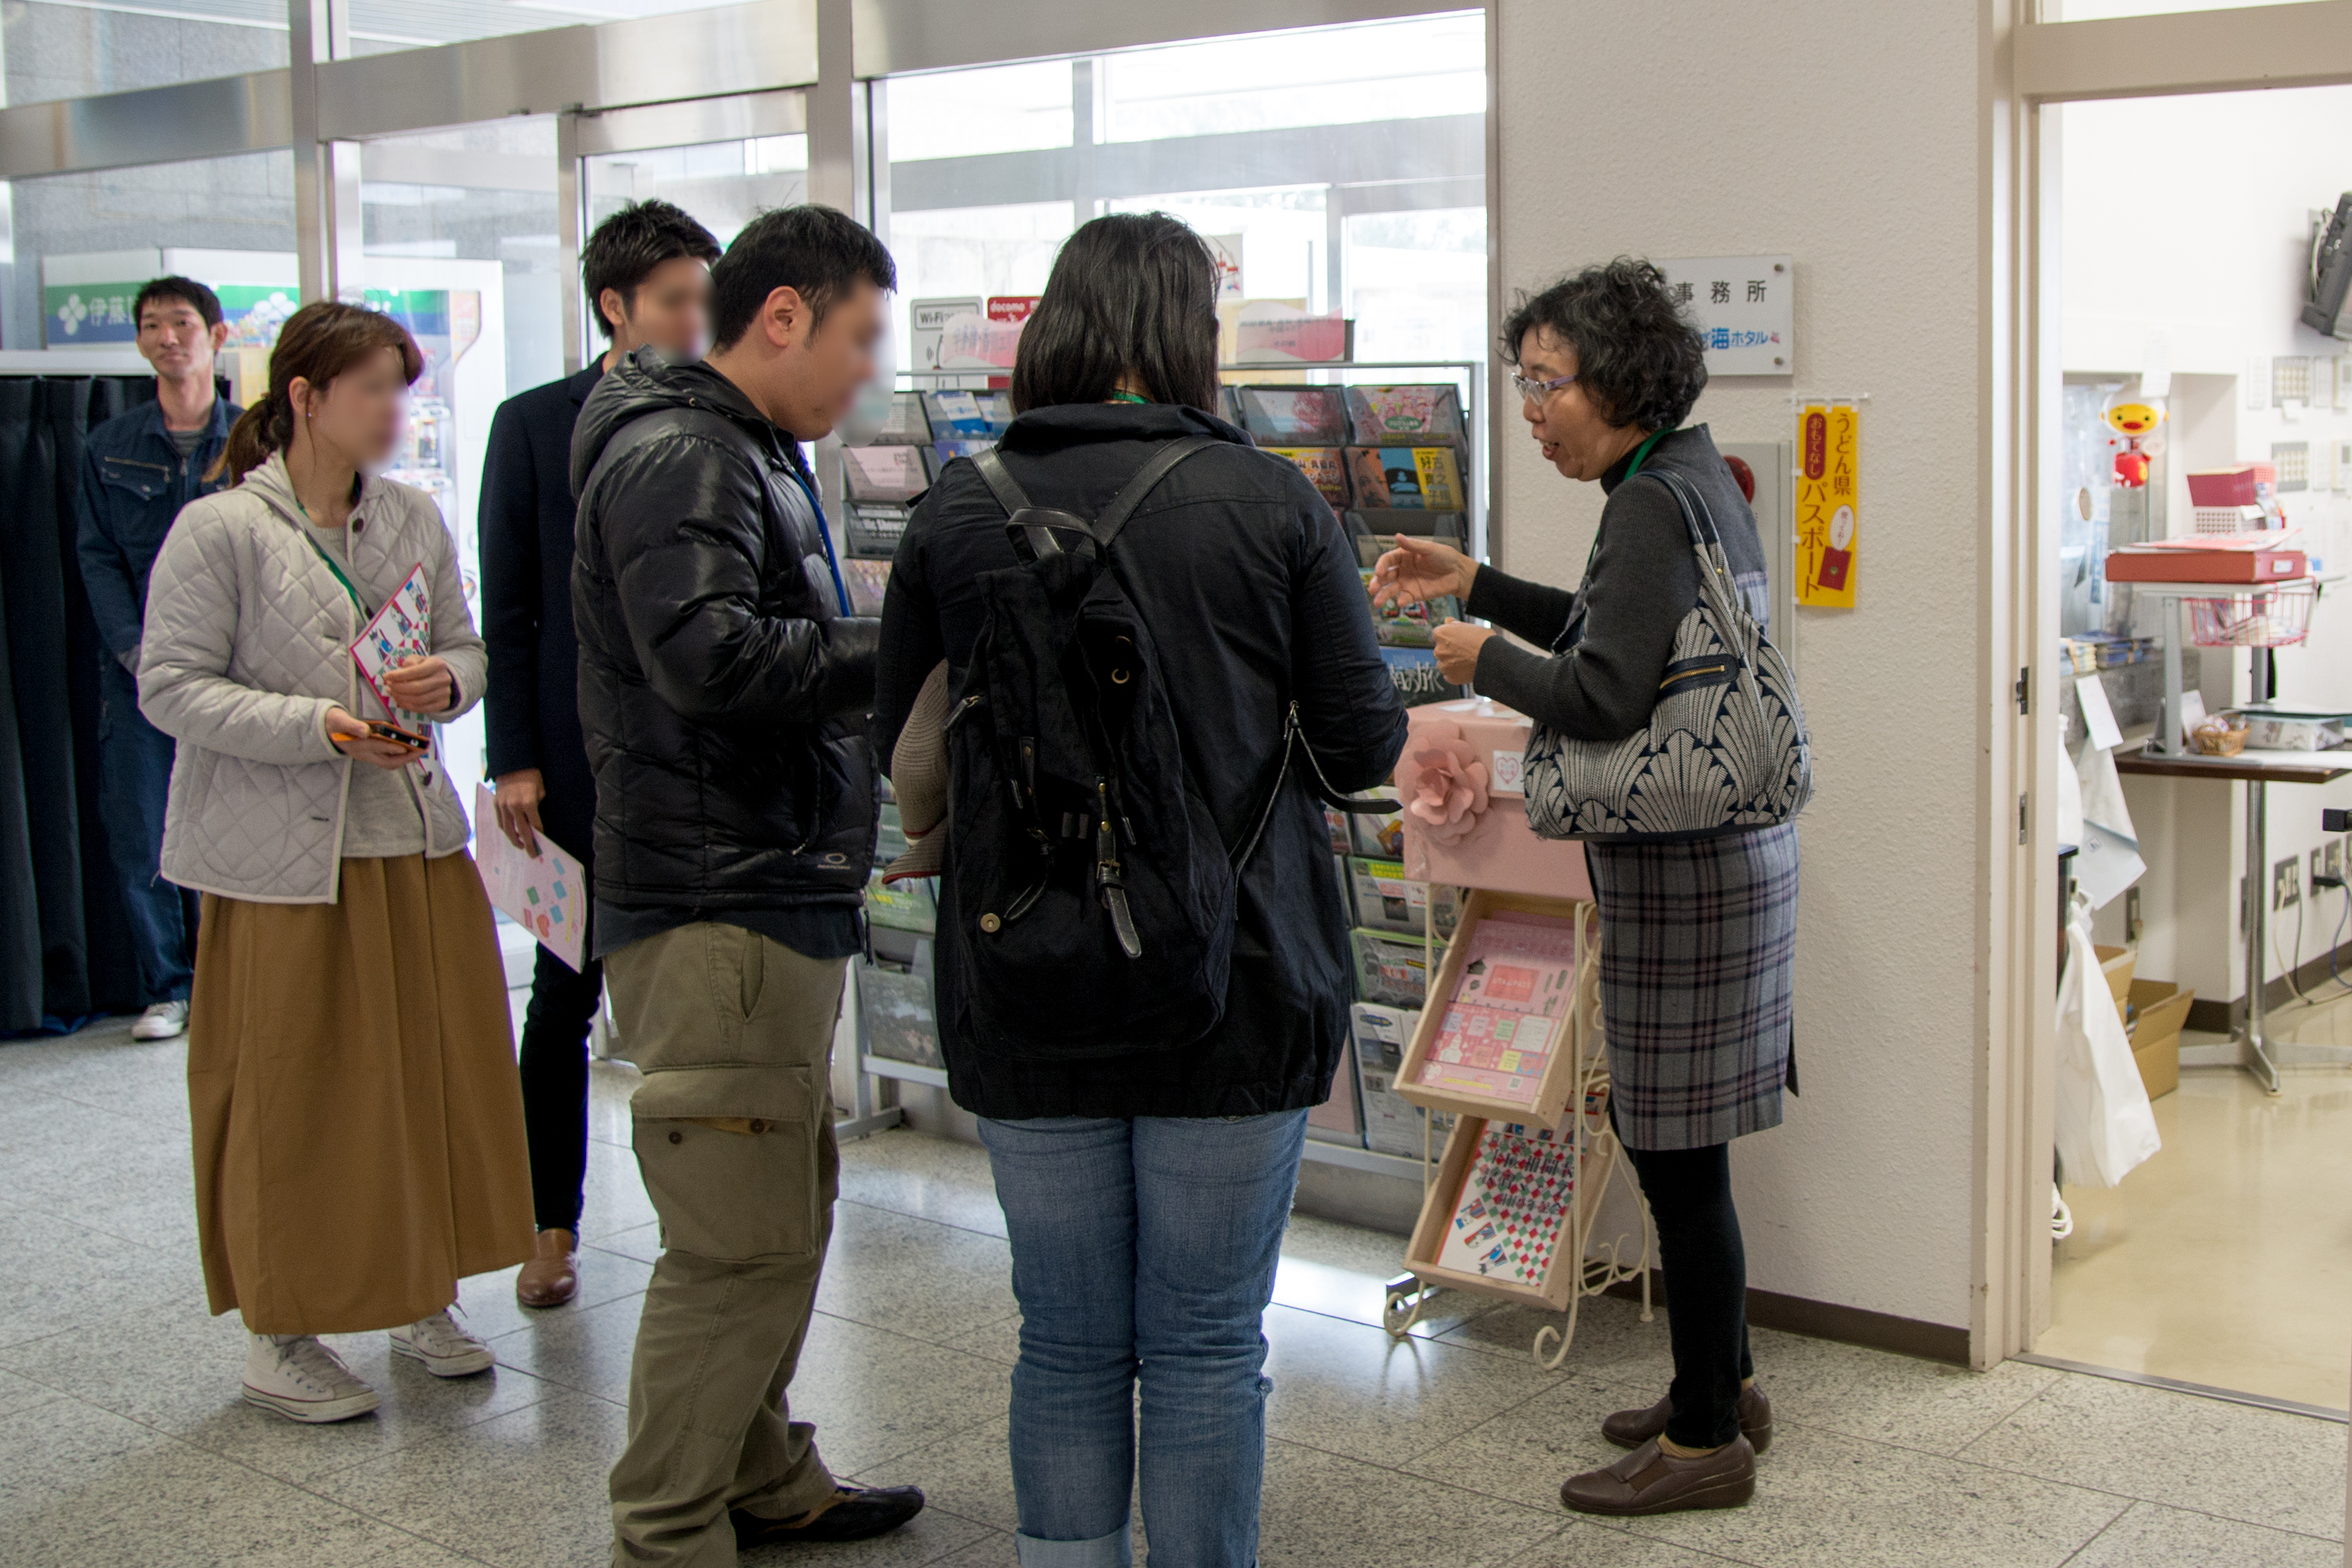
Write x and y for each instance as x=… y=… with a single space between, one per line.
x=1158 y=659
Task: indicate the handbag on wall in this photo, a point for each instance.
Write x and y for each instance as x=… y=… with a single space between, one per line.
x=1724 y=749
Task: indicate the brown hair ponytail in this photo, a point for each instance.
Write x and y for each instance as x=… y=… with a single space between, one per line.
x=318 y=343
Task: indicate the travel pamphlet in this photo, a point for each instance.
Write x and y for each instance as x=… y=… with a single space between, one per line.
x=543 y=893
x=401 y=630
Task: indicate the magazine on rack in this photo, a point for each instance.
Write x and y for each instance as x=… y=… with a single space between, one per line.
x=873 y=527
x=1291 y=416
x=1393 y=1124
x=1416 y=413
x=1415 y=478
x=1325 y=467
x=907 y=426
x=884 y=473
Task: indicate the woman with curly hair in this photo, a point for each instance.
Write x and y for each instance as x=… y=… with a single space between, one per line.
x=1696 y=936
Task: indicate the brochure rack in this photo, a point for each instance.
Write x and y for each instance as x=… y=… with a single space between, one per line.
x=1571 y=1113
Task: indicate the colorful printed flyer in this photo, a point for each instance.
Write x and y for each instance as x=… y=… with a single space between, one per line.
x=1513 y=1205
x=1509 y=1011
x=544 y=893
x=402 y=629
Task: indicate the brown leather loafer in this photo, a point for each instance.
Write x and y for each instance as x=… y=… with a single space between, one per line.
x=1651 y=1481
x=552 y=1276
x=1631 y=1429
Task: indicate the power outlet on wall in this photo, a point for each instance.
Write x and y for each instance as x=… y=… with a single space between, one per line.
x=2132 y=922
x=2285 y=883
x=2332 y=860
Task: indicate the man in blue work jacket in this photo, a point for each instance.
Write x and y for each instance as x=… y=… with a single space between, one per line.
x=137 y=470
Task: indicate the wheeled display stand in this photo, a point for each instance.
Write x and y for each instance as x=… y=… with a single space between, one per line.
x=1575 y=1092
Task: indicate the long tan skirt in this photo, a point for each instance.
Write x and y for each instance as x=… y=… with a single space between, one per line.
x=357 y=1115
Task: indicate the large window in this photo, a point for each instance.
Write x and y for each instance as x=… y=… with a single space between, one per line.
x=1342 y=167
x=725 y=184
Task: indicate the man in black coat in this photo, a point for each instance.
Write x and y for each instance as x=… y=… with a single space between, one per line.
x=647 y=271
x=723 y=689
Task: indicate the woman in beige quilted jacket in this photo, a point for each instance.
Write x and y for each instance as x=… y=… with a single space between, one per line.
x=358 y=1130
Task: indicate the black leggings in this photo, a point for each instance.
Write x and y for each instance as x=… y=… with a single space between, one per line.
x=1689 y=1191
x=555 y=1085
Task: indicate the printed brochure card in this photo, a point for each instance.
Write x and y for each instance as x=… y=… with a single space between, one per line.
x=1509 y=1011
x=1513 y=1205
x=544 y=893
x=402 y=629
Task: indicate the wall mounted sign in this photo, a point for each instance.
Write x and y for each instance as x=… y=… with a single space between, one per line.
x=1829 y=503
x=1745 y=307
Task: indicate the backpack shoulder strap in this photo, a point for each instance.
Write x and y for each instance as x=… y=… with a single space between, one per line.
x=1122 y=505
x=1009 y=495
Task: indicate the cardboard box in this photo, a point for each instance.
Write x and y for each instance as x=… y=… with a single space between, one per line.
x=2116 y=961
x=1502 y=852
x=2159 y=1008
x=2153 y=563
x=2248 y=484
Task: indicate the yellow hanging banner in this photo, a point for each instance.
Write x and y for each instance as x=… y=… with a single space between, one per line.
x=1829 y=503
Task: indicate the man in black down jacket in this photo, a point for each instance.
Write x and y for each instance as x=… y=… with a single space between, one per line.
x=723 y=689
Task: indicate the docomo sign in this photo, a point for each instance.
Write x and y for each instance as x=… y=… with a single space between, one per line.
x=1816 y=444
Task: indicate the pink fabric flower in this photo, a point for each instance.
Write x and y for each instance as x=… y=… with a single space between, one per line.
x=1444 y=785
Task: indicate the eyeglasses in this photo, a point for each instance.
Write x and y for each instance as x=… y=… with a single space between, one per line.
x=1536 y=392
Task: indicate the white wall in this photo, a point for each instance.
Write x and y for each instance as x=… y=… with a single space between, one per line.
x=1846 y=133
x=2187 y=218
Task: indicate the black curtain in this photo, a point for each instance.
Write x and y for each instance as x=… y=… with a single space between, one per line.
x=65 y=938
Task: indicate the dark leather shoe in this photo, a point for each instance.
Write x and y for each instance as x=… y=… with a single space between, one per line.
x=1651 y=1481
x=854 y=1513
x=1631 y=1429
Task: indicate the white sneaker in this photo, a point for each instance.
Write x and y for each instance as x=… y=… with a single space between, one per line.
x=302 y=1380
x=446 y=1350
x=161 y=1022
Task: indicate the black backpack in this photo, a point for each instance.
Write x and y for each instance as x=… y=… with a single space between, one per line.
x=1091 y=896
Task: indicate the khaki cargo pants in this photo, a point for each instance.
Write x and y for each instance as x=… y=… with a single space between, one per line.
x=734 y=1137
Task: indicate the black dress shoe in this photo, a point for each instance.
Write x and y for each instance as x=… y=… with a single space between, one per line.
x=855 y=1514
x=1631 y=1429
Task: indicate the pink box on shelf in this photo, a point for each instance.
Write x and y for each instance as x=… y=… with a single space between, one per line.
x=1461 y=768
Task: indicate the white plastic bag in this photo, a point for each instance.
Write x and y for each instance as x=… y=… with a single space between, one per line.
x=2104 y=1123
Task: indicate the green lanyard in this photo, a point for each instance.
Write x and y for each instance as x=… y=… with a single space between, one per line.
x=320 y=551
x=1128 y=397
x=1641 y=452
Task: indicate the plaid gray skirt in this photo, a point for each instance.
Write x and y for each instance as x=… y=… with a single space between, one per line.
x=1697 y=942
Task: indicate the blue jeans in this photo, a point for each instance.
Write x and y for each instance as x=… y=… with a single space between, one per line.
x=1144 y=1252
x=134 y=776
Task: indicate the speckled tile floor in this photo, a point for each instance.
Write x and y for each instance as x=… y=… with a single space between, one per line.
x=122 y=1439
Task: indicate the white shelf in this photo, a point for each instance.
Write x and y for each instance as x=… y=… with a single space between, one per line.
x=906 y=1072
x=1365 y=1160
